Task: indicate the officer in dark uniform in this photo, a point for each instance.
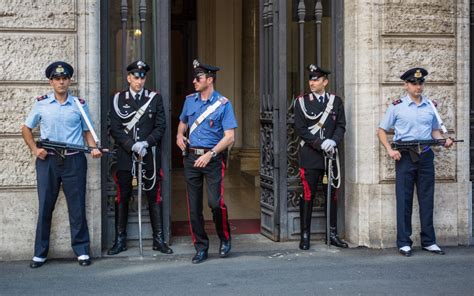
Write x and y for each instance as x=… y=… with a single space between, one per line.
x=318 y=141
x=60 y=119
x=413 y=117
x=138 y=123
x=211 y=122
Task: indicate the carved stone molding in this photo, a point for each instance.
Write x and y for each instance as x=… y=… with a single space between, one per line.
x=38 y=15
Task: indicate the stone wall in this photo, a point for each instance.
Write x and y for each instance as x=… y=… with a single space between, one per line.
x=32 y=35
x=383 y=38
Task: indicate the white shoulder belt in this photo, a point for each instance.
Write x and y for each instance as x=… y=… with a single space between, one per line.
x=316 y=127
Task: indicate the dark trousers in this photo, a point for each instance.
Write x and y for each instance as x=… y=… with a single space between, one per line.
x=409 y=174
x=71 y=173
x=125 y=187
x=310 y=179
x=214 y=175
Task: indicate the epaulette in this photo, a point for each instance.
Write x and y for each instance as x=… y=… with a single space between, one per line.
x=40 y=98
x=396 y=102
x=434 y=103
x=81 y=100
x=302 y=95
x=223 y=100
x=191 y=95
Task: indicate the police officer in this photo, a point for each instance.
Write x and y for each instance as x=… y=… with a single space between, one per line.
x=413 y=117
x=211 y=122
x=321 y=134
x=60 y=119
x=138 y=123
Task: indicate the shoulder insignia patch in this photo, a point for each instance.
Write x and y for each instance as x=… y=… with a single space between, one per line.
x=223 y=100
x=396 y=102
x=191 y=95
x=40 y=98
x=81 y=100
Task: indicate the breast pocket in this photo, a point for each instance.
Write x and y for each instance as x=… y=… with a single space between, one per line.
x=151 y=114
x=214 y=120
x=72 y=117
x=425 y=117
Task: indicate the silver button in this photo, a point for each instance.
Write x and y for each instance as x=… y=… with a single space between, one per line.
x=138 y=138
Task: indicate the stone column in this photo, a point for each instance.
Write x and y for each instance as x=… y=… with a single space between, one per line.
x=250 y=151
x=383 y=39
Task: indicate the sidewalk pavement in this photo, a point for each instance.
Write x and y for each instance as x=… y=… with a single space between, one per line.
x=257 y=266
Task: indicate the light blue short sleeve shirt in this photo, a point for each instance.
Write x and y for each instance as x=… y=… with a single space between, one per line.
x=59 y=122
x=410 y=121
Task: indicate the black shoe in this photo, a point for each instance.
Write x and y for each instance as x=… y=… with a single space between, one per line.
x=336 y=241
x=224 y=249
x=304 y=242
x=119 y=246
x=84 y=262
x=437 y=252
x=405 y=253
x=199 y=257
x=36 y=264
x=162 y=247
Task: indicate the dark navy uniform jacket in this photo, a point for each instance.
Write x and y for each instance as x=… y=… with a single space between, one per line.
x=310 y=155
x=150 y=127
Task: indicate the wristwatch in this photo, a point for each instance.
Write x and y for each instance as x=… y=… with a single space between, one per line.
x=213 y=153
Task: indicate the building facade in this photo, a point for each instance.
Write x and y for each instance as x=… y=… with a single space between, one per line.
x=262 y=47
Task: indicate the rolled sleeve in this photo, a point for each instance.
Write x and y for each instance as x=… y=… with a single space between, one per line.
x=228 y=120
x=33 y=117
x=388 y=120
x=183 y=117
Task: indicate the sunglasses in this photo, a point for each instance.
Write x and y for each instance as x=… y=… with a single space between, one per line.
x=139 y=75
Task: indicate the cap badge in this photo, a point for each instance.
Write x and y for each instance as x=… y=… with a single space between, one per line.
x=418 y=74
x=140 y=64
x=312 y=68
x=195 y=64
x=59 y=69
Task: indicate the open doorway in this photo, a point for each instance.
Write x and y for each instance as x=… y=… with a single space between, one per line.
x=212 y=31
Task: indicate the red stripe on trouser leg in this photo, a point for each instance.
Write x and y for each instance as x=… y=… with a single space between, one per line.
x=335 y=194
x=117 y=198
x=306 y=189
x=189 y=219
x=225 y=223
x=158 y=190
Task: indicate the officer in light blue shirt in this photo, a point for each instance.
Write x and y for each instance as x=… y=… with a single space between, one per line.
x=60 y=120
x=211 y=123
x=413 y=118
x=410 y=121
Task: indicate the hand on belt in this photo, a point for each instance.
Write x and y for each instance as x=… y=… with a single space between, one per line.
x=199 y=151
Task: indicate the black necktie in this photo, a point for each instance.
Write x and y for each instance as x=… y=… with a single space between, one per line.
x=137 y=98
x=321 y=99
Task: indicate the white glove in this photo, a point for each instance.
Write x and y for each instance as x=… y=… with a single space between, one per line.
x=328 y=145
x=139 y=146
x=143 y=152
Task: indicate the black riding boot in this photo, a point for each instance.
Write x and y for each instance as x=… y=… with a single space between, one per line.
x=306 y=209
x=156 y=219
x=335 y=240
x=121 y=218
